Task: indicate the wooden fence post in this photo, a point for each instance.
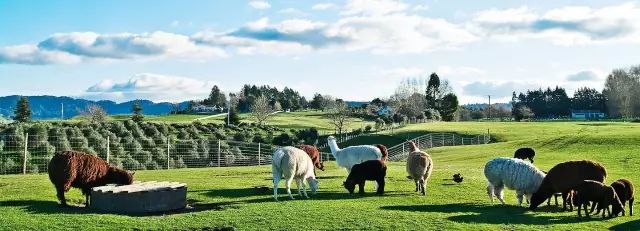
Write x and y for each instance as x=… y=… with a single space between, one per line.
x=219 y=153
x=24 y=154
x=258 y=154
x=168 y=150
x=442 y=138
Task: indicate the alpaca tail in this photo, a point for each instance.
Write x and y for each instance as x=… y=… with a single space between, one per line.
x=413 y=147
x=383 y=150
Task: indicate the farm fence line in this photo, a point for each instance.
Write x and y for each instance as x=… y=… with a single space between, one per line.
x=31 y=153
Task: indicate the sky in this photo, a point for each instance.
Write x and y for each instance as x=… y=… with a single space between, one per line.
x=355 y=49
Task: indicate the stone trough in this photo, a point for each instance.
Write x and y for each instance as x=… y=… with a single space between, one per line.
x=140 y=197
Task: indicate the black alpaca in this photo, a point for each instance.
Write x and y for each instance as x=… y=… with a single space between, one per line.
x=368 y=170
x=525 y=153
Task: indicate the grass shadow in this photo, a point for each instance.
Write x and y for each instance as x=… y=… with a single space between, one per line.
x=630 y=225
x=44 y=207
x=488 y=214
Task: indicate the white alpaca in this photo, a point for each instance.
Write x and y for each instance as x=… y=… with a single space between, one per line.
x=513 y=173
x=293 y=163
x=353 y=155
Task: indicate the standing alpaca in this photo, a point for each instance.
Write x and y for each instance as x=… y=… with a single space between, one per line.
x=566 y=176
x=313 y=152
x=374 y=170
x=419 y=167
x=79 y=170
x=514 y=174
x=349 y=156
x=293 y=163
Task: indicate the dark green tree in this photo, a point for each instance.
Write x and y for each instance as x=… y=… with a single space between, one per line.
x=433 y=88
x=23 y=110
x=216 y=98
x=136 y=109
x=317 y=102
x=448 y=107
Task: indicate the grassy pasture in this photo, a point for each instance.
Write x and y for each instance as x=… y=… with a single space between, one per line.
x=224 y=197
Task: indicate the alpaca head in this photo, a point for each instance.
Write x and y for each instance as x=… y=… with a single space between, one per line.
x=119 y=176
x=413 y=147
x=349 y=185
x=331 y=139
x=320 y=166
x=313 y=185
x=614 y=201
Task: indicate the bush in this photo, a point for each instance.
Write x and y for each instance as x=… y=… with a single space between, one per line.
x=379 y=123
x=636 y=120
x=257 y=138
x=241 y=136
x=367 y=128
x=283 y=139
x=432 y=114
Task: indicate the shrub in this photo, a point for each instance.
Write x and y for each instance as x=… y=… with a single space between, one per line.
x=283 y=139
x=432 y=114
x=380 y=123
x=367 y=128
x=241 y=136
x=257 y=138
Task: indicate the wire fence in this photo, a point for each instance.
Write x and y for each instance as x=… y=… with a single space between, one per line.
x=31 y=153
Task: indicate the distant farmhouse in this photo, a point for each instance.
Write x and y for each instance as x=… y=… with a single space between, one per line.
x=587 y=114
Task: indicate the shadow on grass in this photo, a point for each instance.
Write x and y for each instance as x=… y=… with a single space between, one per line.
x=631 y=225
x=488 y=214
x=45 y=207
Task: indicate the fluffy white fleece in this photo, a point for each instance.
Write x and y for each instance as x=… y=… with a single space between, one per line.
x=349 y=156
x=514 y=174
x=293 y=163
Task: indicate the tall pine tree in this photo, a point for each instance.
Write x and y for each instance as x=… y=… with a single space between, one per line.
x=23 y=110
x=137 y=116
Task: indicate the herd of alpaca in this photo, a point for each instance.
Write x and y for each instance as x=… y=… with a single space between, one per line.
x=580 y=183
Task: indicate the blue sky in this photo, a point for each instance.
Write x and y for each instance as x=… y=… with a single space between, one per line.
x=354 y=49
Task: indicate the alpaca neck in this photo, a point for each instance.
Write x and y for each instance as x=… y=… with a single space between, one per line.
x=334 y=148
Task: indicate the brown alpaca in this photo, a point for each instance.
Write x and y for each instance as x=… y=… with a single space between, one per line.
x=79 y=170
x=383 y=150
x=313 y=152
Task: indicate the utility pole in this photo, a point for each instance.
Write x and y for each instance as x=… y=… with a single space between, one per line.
x=489 y=107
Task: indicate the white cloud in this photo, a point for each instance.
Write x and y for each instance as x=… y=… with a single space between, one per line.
x=373 y=7
x=496 y=89
x=322 y=6
x=571 y=25
x=154 y=87
x=31 y=55
x=261 y=5
x=459 y=71
x=584 y=76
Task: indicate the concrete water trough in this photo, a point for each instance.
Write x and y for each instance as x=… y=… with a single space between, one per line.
x=140 y=197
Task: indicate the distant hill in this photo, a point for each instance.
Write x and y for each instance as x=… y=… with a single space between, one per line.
x=48 y=107
x=480 y=106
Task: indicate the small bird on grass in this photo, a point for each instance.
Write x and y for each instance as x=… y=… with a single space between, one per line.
x=457 y=178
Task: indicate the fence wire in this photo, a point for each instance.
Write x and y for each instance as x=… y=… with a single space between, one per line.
x=31 y=153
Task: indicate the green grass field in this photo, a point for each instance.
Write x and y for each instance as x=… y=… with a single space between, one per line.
x=224 y=197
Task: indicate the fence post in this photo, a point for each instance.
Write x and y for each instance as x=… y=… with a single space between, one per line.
x=258 y=154
x=462 y=140
x=453 y=138
x=168 y=150
x=218 y=153
x=430 y=140
x=442 y=138
x=24 y=154
x=403 y=147
x=108 y=148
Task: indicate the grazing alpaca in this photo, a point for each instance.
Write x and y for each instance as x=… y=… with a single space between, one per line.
x=525 y=153
x=349 y=156
x=293 y=163
x=556 y=195
x=514 y=174
x=419 y=167
x=79 y=170
x=369 y=170
x=313 y=152
x=564 y=177
x=597 y=192
x=624 y=189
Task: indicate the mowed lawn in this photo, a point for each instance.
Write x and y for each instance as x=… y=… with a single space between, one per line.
x=224 y=197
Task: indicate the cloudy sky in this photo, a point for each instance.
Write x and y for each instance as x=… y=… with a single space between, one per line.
x=353 y=49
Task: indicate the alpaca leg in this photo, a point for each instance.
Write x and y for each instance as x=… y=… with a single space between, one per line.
x=520 y=197
x=631 y=207
x=499 y=193
x=380 y=190
x=288 y=182
x=298 y=181
x=361 y=188
x=579 y=210
x=490 y=192
x=60 y=194
x=304 y=189
x=417 y=185
x=276 y=181
x=565 y=201
x=422 y=189
x=556 y=198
